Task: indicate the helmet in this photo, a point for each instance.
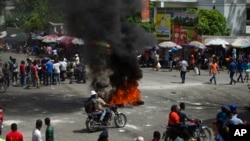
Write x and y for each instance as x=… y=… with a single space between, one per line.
x=233 y=107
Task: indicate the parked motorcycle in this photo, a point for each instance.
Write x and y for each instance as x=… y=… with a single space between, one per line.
x=80 y=73
x=202 y=132
x=93 y=123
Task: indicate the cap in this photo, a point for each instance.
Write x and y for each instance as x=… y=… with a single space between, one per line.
x=76 y=55
x=233 y=107
x=93 y=92
x=139 y=138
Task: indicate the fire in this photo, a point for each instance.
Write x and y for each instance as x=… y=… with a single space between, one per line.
x=128 y=94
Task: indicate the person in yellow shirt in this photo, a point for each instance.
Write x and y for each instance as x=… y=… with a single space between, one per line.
x=214 y=69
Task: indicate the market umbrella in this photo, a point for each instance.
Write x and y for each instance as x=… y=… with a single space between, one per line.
x=195 y=44
x=3 y=34
x=217 y=42
x=19 y=37
x=65 y=40
x=36 y=37
x=50 y=38
x=169 y=44
x=241 y=43
x=77 y=41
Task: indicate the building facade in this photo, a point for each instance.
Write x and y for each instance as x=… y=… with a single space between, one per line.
x=236 y=12
x=9 y=5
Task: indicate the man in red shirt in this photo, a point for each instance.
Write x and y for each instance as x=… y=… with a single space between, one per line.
x=22 y=71
x=14 y=135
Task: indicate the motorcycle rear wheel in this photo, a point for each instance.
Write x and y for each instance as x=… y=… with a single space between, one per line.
x=120 y=120
x=90 y=125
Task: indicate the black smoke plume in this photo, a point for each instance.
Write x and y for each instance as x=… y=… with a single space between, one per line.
x=101 y=20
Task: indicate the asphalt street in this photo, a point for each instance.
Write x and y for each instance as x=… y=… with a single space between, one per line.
x=159 y=91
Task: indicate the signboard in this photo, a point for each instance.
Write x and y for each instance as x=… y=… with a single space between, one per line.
x=184 y=28
x=163 y=26
x=145 y=14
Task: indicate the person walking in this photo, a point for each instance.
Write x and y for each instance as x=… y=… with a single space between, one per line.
x=214 y=69
x=240 y=68
x=231 y=71
x=156 y=61
x=14 y=135
x=49 y=133
x=247 y=70
x=15 y=71
x=6 y=74
x=36 y=134
x=183 y=69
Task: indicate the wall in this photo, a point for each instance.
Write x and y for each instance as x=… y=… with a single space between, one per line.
x=235 y=14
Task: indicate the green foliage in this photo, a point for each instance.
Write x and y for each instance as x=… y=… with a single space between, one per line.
x=2 y=5
x=34 y=14
x=210 y=22
x=136 y=18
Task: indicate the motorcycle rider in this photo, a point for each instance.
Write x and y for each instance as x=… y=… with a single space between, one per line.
x=174 y=122
x=99 y=104
x=186 y=120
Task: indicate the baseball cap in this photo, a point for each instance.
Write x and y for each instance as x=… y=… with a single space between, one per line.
x=93 y=92
x=139 y=138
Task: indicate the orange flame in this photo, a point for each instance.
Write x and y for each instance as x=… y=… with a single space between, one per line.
x=128 y=94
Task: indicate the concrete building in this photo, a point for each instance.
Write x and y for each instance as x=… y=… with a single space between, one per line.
x=5 y=11
x=236 y=12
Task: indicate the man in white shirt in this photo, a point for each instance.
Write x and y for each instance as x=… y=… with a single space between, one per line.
x=36 y=134
x=183 y=69
x=63 y=69
x=56 y=68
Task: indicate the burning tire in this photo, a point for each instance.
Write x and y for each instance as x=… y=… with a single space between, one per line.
x=120 y=120
x=90 y=125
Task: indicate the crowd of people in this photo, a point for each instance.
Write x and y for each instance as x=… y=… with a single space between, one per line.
x=34 y=72
x=15 y=135
x=235 y=63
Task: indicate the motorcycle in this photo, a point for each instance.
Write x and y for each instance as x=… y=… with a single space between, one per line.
x=93 y=123
x=80 y=73
x=202 y=132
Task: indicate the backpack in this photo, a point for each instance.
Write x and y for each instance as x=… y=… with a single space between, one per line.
x=89 y=106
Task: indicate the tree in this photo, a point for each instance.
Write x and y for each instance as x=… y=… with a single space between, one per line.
x=210 y=22
x=35 y=14
x=2 y=5
x=136 y=18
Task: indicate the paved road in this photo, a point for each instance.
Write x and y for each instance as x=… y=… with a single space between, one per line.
x=159 y=90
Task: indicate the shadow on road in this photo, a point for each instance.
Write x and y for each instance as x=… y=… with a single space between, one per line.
x=39 y=102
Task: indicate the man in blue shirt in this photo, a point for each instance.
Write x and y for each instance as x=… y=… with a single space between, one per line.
x=232 y=70
x=240 y=68
x=49 y=70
